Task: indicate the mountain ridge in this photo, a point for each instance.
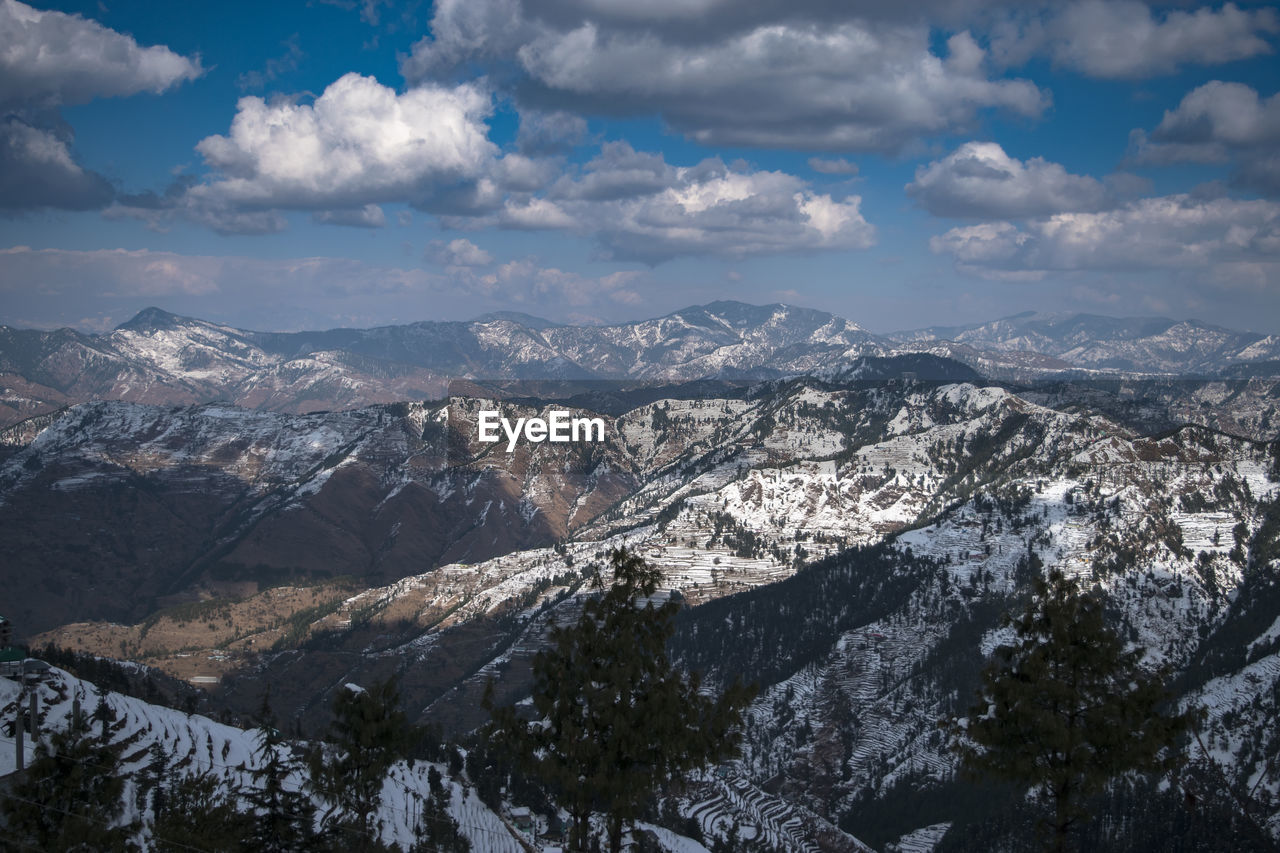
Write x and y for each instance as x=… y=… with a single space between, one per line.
x=166 y=359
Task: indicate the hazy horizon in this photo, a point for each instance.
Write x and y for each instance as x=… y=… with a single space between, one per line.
x=640 y=317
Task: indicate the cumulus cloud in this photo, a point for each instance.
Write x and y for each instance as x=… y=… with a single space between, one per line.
x=465 y=30
x=712 y=210
x=1128 y=39
x=458 y=253
x=618 y=171
x=355 y=147
x=37 y=169
x=638 y=207
x=848 y=87
x=359 y=143
x=543 y=133
x=1217 y=117
x=1217 y=123
x=856 y=76
x=535 y=214
x=980 y=180
x=1177 y=232
x=802 y=78
x=51 y=59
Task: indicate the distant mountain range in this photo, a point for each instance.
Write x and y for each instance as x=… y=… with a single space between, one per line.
x=1124 y=344
x=164 y=359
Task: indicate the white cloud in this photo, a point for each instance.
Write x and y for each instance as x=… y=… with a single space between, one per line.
x=518 y=173
x=849 y=87
x=980 y=180
x=535 y=214
x=619 y=171
x=37 y=170
x=51 y=58
x=985 y=243
x=358 y=143
x=1177 y=232
x=810 y=76
x=549 y=132
x=458 y=253
x=711 y=209
x=1128 y=39
x=638 y=207
x=464 y=30
x=1216 y=123
x=1220 y=116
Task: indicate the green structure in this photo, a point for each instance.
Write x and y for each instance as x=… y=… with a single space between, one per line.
x=11 y=656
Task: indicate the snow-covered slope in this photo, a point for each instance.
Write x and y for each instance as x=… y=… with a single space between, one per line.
x=852 y=545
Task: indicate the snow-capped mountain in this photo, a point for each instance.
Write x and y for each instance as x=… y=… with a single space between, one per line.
x=167 y=360
x=1090 y=341
x=164 y=359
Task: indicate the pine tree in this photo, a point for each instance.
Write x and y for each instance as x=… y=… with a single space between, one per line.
x=195 y=811
x=1066 y=708
x=283 y=817
x=438 y=831
x=616 y=720
x=72 y=797
x=368 y=733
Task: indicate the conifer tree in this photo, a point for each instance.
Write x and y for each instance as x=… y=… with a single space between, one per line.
x=1066 y=708
x=438 y=831
x=283 y=816
x=72 y=797
x=368 y=733
x=615 y=719
x=195 y=811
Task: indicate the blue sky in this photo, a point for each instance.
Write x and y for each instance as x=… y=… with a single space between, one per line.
x=294 y=165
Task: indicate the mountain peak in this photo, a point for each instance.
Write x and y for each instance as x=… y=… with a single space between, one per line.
x=151 y=319
x=527 y=320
